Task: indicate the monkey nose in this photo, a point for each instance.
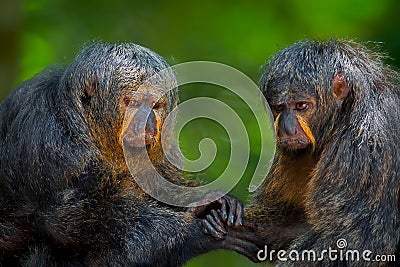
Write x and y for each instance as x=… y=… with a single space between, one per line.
x=139 y=126
x=139 y=121
x=290 y=129
x=290 y=124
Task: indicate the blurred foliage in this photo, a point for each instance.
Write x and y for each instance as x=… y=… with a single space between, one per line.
x=36 y=34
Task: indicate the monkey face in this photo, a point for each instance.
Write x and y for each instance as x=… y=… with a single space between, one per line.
x=144 y=116
x=291 y=124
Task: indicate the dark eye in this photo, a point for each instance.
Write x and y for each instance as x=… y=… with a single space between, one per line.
x=301 y=106
x=279 y=108
x=130 y=102
x=126 y=101
x=157 y=105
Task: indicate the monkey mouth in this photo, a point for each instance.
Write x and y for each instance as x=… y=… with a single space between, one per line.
x=294 y=144
x=138 y=140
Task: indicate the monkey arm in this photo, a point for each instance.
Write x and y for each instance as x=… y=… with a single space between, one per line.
x=108 y=227
x=156 y=237
x=279 y=218
x=175 y=233
x=277 y=224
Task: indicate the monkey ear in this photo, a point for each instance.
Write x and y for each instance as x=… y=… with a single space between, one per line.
x=340 y=87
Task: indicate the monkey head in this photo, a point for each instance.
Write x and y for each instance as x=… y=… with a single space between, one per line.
x=126 y=91
x=305 y=86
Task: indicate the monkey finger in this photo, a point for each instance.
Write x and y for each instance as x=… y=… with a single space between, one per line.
x=239 y=214
x=244 y=235
x=232 y=209
x=217 y=218
x=246 y=248
x=208 y=228
x=214 y=223
x=221 y=215
x=224 y=209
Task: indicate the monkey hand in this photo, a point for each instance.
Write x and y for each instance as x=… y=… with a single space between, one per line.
x=242 y=240
x=223 y=220
x=226 y=211
x=232 y=233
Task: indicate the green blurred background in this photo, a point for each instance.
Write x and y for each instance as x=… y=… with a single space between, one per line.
x=36 y=34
